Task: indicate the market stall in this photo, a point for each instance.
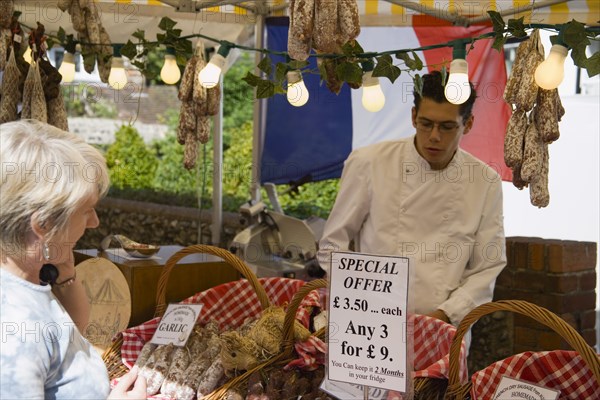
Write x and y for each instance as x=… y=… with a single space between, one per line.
x=241 y=338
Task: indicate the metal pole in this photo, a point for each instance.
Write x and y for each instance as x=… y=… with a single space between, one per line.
x=365 y=392
x=257 y=129
x=217 y=197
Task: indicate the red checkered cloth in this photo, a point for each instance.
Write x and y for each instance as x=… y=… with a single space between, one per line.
x=432 y=339
x=229 y=305
x=562 y=370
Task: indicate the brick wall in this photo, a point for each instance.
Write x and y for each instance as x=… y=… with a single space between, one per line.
x=559 y=275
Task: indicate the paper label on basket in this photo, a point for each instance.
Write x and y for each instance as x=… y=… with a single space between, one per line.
x=511 y=388
x=345 y=391
x=367 y=320
x=177 y=324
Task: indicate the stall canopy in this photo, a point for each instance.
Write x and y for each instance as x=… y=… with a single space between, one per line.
x=312 y=142
x=224 y=19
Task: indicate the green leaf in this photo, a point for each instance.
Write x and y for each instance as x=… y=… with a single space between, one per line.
x=129 y=50
x=349 y=72
x=70 y=44
x=574 y=34
x=181 y=59
x=499 y=42
x=166 y=24
x=444 y=72
x=554 y=40
x=418 y=62
x=280 y=71
x=322 y=71
x=516 y=27
x=265 y=65
x=140 y=35
x=497 y=21
x=61 y=35
x=89 y=61
x=251 y=79
x=175 y=32
x=415 y=64
x=50 y=42
x=579 y=57
x=265 y=89
x=385 y=67
x=351 y=48
x=161 y=37
x=279 y=89
x=418 y=81
x=593 y=65
x=297 y=64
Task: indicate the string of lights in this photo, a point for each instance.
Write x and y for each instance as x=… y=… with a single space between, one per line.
x=548 y=75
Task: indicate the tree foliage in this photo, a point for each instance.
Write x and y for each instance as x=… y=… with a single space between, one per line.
x=131 y=163
x=156 y=173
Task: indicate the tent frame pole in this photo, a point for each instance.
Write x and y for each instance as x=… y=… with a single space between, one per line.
x=217 y=195
x=258 y=116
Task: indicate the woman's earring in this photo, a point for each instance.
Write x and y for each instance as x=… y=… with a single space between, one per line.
x=46 y=251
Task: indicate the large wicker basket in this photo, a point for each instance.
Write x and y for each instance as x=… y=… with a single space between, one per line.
x=575 y=373
x=114 y=359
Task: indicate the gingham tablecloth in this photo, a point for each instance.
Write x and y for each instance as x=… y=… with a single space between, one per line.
x=432 y=339
x=562 y=370
x=229 y=305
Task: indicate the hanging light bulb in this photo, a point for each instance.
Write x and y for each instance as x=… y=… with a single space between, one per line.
x=170 y=73
x=210 y=75
x=373 y=98
x=67 y=67
x=458 y=89
x=297 y=93
x=117 y=78
x=27 y=56
x=550 y=73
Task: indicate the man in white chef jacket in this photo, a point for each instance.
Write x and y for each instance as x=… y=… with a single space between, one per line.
x=425 y=198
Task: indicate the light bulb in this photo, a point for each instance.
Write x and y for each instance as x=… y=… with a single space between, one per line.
x=170 y=73
x=373 y=98
x=117 y=78
x=550 y=73
x=210 y=75
x=67 y=67
x=458 y=89
x=297 y=93
x=27 y=55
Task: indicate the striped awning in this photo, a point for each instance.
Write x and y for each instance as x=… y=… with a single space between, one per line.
x=235 y=22
x=411 y=12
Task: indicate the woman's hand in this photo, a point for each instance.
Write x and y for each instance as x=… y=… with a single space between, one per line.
x=123 y=389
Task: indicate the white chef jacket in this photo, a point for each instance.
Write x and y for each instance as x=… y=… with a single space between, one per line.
x=448 y=222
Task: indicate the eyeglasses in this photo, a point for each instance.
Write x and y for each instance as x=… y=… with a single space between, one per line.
x=426 y=125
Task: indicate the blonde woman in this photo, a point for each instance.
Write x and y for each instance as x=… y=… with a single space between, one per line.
x=50 y=182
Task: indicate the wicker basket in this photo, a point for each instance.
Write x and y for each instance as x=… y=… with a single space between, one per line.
x=285 y=356
x=456 y=390
x=112 y=355
x=113 y=358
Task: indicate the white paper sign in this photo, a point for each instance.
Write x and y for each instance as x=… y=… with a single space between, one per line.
x=367 y=320
x=510 y=388
x=349 y=391
x=177 y=324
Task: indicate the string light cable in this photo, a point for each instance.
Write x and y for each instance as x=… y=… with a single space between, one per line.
x=210 y=75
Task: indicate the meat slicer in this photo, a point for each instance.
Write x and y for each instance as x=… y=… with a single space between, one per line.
x=275 y=244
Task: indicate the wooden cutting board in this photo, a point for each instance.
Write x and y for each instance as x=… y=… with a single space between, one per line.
x=110 y=299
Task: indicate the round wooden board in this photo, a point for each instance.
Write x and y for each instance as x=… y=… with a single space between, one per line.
x=110 y=300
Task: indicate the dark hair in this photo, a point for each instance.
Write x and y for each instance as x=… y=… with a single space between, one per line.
x=433 y=89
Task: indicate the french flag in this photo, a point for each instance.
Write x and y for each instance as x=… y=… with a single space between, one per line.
x=311 y=143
